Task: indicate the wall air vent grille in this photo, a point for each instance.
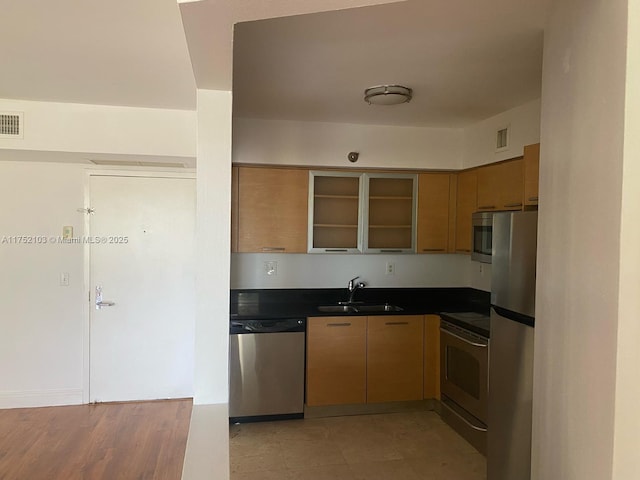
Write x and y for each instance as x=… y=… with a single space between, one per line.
x=502 y=139
x=11 y=125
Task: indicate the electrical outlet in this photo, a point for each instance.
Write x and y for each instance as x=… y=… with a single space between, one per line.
x=271 y=268
x=390 y=268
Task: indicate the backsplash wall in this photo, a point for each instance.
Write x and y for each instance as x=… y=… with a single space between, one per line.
x=248 y=270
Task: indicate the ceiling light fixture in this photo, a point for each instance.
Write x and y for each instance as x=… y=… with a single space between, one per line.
x=388 y=95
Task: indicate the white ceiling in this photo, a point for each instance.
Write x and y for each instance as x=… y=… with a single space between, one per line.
x=114 y=52
x=465 y=60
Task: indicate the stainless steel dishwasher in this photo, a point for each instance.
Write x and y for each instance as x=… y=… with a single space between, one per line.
x=266 y=369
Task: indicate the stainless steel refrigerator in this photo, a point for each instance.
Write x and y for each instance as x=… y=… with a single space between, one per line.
x=513 y=282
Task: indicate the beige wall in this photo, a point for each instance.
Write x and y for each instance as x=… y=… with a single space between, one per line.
x=100 y=130
x=213 y=244
x=626 y=461
x=579 y=240
x=479 y=139
x=289 y=142
x=42 y=323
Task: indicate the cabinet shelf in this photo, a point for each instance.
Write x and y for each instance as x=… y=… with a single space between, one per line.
x=337 y=197
x=390 y=226
x=390 y=198
x=330 y=225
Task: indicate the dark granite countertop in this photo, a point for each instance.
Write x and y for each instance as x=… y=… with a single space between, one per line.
x=294 y=303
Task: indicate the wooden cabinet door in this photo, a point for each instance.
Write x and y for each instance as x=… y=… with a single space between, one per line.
x=234 y=209
x=531 y=173
x=335 y=212
x=272 y=210
x=465 y=206
x=433 y=212
x=395 y=358
x=432 y=356
x=489 y=188
x=336 y=360
x=390 y=213
x=500 y=186
x=510 y=184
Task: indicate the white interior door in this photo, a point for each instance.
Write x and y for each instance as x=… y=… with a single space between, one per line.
x=142 y=346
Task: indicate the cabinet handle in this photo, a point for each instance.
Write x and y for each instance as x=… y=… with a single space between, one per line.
x=329 y=250
x=513 y=204
x=433 y=249
x=390 y=251
x=396 y=323
x=533 y=199
x=487 y=207
x=346 y=324
x=463 y=250
x=273 y=249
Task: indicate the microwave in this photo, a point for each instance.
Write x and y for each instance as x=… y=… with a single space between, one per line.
x=482 y=233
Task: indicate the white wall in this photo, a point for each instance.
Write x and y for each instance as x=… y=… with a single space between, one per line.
x=41 y=323
x=213 y=237
x=626 y=461
x=480 y=139
x=327 y=144
x=579 y=253
x=99 y=129
x=334 y=271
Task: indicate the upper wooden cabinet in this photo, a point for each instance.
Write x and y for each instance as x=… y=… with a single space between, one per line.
x=395 y=358
x=434 y=212
x=361 y=212
x=467 y=187
x=500 y=186
x=234 y=209
x=531 y=173
x=336 y=360
x=272 y=210
x=335 y=212
x=390 y=210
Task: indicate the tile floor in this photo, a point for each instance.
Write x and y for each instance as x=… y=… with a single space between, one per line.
x=403 y=446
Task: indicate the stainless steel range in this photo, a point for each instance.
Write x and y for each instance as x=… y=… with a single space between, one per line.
x=464 y=358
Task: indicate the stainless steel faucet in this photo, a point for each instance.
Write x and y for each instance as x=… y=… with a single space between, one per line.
x=353 y=286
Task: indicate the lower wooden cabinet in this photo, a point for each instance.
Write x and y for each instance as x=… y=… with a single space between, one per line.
x=394 y=358
x=357 y=360
x=336 y=360
x=432 y=356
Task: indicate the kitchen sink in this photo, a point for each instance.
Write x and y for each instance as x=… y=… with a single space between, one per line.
x=337 y=309
x=359 y=308
x=378 y=308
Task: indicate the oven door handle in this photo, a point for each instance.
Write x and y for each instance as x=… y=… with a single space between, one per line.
x=465 y=340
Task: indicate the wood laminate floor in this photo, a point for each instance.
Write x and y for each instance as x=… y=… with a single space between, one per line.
x=116 y=441
x=396 y=446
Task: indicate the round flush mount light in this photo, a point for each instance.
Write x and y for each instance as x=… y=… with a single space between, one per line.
x=388 y=95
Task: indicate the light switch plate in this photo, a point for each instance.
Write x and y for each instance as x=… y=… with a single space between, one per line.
x=67 y=232
x=64 y=279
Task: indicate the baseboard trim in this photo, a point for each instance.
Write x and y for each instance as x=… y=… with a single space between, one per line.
x=370 y=408
x=40 y=398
